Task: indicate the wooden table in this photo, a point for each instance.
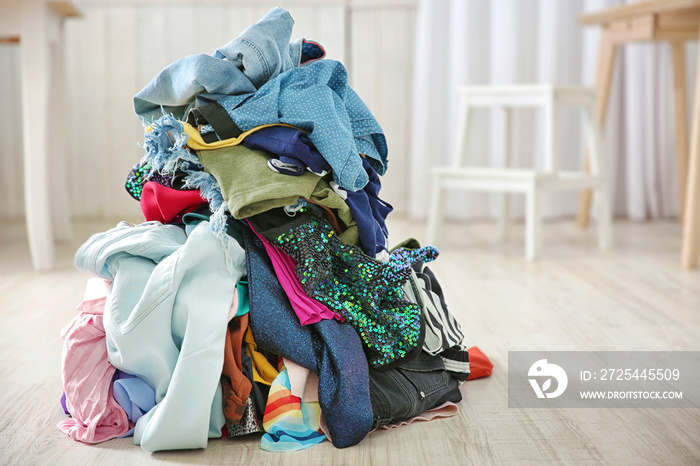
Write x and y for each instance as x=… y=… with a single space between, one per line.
x=37 y=26
x=675 y=21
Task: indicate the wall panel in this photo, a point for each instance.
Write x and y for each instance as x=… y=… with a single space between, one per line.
x=11 y=193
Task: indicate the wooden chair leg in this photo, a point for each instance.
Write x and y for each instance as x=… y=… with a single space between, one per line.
x=604 y=216
x=606 y=63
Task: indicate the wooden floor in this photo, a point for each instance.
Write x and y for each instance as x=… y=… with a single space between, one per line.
x=632 y=297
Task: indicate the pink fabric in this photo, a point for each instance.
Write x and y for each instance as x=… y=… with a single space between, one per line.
x=87 y=379
x=447 y=409
x=308 y=310
x=303 y=383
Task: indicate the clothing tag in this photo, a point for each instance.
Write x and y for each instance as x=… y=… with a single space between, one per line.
x=321 y=173
x=339 y=191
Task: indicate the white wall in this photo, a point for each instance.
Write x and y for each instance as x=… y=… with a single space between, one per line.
x=11 y=173
x=119 y=46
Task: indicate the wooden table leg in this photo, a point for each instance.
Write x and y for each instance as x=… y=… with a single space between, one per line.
x=35 y=63
x=58 y=161
x=691 y=224
x=681 y=123
x=606 y=64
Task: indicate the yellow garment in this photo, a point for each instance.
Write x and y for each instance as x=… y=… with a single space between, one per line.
x=263 y=371
x=196 y=142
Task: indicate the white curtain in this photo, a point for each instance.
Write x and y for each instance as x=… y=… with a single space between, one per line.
x=473 y=42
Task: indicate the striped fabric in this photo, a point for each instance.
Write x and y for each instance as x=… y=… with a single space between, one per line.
x=442 y=330
x=443 y=334
x=290 y=424
x=456 y=360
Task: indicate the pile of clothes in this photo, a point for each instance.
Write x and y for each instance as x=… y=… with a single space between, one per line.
x=260 y=294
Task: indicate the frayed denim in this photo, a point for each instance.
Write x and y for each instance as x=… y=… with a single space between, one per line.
x=166 y=152
x=260 y=53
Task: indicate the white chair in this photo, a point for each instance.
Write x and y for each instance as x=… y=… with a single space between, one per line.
x=531 y=182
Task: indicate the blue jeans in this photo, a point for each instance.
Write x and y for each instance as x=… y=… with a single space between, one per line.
x=165 y=322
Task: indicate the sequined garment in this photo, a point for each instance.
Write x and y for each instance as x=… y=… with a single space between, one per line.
x=368 y=293
x=138 y=176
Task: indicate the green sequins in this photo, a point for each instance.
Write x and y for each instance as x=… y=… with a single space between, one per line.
x=368 y=293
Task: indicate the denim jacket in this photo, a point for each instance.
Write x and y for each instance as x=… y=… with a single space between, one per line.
x=258 y=54
x=165 y=322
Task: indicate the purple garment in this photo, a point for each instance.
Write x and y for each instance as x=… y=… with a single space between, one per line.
x=292 y=146
x=134 y=395
x=63 y=403
x=369 y=212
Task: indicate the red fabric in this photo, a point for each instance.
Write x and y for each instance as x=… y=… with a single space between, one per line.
x=479 y=364
x=166 y=204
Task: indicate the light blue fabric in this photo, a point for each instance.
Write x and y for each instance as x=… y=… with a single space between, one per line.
x=165 y=322
x=134 y=395
x=317 y=99
x=258 y=54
